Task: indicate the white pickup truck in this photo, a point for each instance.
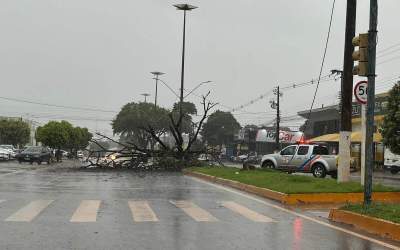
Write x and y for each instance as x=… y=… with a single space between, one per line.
x=306 y=158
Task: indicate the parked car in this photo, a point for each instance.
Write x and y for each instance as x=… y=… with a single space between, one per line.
x=79 y=154
x=34 y=154
x=4 y=155
x=392 y=162
x=65 y=153
x=205 y=157
x=10 y=148
x=306 y=158
x=252 y=161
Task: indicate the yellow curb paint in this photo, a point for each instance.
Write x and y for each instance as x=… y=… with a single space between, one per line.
x=30 y=211
x=87 y=211
x=372 y=225
x=320 y=222
x=245 y=212
x=191 y=209
x=142 y=212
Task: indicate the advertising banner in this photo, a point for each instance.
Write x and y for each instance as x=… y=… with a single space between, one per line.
x=264 y=135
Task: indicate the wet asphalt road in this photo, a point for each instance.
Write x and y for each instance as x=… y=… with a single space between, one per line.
x=57 y=207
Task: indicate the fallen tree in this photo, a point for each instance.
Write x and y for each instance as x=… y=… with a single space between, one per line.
x=169 y=157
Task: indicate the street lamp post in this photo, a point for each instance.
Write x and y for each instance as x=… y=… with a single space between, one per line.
x=156 y=75
x=145 y=96
x=184 y=7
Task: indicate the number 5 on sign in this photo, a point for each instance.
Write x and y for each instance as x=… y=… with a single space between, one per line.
x=360 y=92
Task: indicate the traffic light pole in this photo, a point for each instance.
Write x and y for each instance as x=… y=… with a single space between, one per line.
x=347 y=94
x=369 y=141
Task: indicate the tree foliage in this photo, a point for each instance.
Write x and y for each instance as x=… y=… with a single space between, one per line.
x=134 y=118
x=188 y=109
x=78 y=138
x=220 y=128
x=391 y=124
x=15 y=132
x=63 y=135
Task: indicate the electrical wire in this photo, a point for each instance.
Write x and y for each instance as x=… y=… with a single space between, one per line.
x=56 y=105
x=322 y=63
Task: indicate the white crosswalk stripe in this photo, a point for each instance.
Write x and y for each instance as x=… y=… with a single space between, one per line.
x=30 y=211
x=141 y=211
x=244 y=211
x=191 y=209
x=87 y=211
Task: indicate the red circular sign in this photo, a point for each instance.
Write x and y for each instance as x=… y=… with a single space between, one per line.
x=360 y=92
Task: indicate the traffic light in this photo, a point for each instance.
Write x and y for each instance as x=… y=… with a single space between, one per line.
x=361 y=55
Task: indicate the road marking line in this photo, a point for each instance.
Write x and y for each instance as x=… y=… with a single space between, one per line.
x=30 y=211
x=384 y=244
x=141 y=211
x=245 y=212
x=87 y=211
x=191 y=209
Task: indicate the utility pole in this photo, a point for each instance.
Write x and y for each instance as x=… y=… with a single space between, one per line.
x=369 y=141
x=347 y=94
x=278 y=118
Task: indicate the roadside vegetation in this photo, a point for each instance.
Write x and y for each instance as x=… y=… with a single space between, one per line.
x=14 y=132
x=390 y=212
x=62 y=135
x=285 y=183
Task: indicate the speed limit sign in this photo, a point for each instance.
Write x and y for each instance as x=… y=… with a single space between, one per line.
x=360 y=92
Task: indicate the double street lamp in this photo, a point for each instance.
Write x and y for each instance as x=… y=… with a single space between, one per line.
x=156 y=75
x=184 y=7
x=145 y=96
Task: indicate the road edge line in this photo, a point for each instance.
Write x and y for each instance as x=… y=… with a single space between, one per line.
x=381 y=243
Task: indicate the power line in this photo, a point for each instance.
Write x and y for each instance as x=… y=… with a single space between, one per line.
x=388 y=48
x=56 y=105
x=323 y=60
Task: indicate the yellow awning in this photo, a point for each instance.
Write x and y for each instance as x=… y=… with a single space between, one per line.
x=326 y=138
x=355 y=137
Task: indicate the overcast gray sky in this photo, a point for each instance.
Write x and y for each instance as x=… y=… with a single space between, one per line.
x=98 y=53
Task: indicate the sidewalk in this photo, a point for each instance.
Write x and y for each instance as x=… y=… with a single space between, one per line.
x=380 y=175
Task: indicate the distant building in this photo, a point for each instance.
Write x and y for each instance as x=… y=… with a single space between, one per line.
x=32 y=126
x=326 y=120
x=262 y=139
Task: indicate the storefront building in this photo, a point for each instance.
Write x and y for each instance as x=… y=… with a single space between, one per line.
x=324 y=126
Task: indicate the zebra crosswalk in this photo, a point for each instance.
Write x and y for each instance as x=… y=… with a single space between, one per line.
x=30 y=211
x=142 y=211
x=87 y=211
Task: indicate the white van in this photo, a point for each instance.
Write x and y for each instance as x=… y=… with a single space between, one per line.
x=392 y=162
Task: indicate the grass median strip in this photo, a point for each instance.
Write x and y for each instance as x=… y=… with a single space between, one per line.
x=390 y=212
x=285 y=183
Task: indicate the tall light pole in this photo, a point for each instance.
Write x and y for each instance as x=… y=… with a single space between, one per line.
x=145 y=96
x=156 y=74
x=184 y=7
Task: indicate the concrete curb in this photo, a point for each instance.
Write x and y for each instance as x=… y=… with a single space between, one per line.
x=263 y=192
x=299 y=199
x=383 y=228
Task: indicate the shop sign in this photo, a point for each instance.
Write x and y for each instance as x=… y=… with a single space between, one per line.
x=264 y=135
